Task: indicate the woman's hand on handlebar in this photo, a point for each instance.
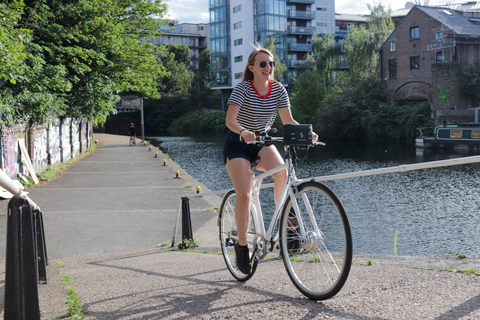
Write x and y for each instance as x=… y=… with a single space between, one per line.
x=247 y=136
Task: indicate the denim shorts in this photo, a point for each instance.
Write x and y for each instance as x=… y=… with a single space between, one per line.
x=234 y=148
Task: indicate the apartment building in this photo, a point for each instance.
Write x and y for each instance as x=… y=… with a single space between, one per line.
x=195 y=36
x=235 y=24
x=422 y=58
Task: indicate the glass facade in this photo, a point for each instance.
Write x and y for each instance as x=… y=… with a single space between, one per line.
x=219 y=42
x=288 y=22
x=270 y=19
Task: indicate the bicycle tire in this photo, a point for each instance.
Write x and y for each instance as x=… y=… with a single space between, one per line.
x=227 y=235
x=319 y=262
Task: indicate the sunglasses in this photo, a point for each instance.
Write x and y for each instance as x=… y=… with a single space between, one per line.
x=263 y=64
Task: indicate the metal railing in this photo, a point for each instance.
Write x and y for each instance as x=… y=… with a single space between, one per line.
x=26 y=254
x=364 y=173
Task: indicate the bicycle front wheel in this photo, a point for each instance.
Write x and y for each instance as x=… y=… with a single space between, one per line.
x=228 y=236
x=317 y=259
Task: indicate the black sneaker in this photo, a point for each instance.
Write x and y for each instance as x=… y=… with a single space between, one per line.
x=242 y=258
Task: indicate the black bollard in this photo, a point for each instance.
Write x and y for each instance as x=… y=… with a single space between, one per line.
x=41 y=248
x=21 y=263
x=187 y=233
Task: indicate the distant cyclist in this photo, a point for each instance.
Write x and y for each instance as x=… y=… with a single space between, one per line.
x=132 y=133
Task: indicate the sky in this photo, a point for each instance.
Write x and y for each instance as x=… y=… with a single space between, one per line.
x=196 y=11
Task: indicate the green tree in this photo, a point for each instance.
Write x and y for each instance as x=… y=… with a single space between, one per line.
x=12 y=40
x=280 y=67
x=469 y=81
x=82 y=54
x=174 y=85
x=201 y=95
x=316 y=77
x=362 y=44
x=178 y=78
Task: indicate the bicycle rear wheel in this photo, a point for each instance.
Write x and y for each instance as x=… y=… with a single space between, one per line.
x=318 y=261
x=228 y=236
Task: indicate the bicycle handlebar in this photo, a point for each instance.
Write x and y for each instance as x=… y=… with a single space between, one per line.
x=263 y=139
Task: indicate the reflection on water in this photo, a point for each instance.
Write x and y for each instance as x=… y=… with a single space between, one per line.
x=435 y=211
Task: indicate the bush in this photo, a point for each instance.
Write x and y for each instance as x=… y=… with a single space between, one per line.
x=199 y=122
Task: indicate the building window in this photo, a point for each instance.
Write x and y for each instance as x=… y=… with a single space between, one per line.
x=237 y=42
x=237 y=8
x=392 y=46
x=321 y=24
x=439 y=56
x=191 y=42
x=415 y=33
x=321 y=9
x=238 y=75
x=238 y=58
x=438 y=37
x=171 y=39
x=415 y=62
x=392 y=69
x=237 y=25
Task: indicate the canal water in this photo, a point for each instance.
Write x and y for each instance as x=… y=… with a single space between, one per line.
x=432 y=211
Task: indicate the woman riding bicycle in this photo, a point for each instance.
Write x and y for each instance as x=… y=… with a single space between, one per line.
x=252 y=108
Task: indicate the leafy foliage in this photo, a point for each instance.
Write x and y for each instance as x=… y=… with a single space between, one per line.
x=280 y=67
x=361 y=44
x=80 y=56
x=198 y=121
x=442 y=95
x=351 y=106
x=470 y=83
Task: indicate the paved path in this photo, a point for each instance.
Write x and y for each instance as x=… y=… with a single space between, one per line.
x=106 y=215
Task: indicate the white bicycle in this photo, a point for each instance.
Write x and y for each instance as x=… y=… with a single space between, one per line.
x=309 y=226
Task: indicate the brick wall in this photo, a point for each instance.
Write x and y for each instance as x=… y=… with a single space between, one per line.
x=432 y=76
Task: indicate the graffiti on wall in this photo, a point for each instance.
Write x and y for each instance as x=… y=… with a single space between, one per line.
x=75 y=138
x=11 y=154
x=65 y=136
x=40 y=159
x=49 y=145
x=54 y=143
x=83 y=134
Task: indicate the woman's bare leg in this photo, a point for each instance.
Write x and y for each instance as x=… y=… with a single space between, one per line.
x=269 y=159
x=240 y=172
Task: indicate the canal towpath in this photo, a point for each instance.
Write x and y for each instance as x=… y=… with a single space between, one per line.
x=107 y=214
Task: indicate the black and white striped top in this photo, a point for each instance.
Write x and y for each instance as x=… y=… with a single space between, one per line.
x=258 y=112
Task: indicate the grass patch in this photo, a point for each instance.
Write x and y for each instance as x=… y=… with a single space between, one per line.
x=74 y=304
x=164 y=244
x=460 y=270
x=367 y=263
x=294 y=259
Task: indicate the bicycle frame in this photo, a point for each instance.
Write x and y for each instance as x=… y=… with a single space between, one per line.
x=263 y=235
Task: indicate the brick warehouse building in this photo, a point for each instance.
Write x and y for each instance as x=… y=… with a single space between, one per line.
x=421 y=60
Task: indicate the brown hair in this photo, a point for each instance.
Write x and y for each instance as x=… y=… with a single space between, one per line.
x=257 y=48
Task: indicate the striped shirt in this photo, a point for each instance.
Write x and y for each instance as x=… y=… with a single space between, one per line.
x=258 y=112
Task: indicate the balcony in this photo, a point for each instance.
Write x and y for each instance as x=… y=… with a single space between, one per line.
x=300 y=30
x=294 y=63
x=305 y=47
x=301 y=1
x=307 y=15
